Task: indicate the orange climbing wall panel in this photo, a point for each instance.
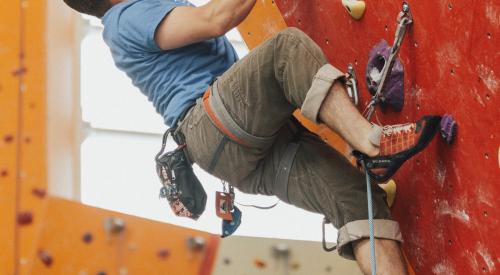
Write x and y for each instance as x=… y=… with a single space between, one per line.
x=9 y=91
x=32 y=142
x=22 y=129
x=135 y=250
x=447 y=194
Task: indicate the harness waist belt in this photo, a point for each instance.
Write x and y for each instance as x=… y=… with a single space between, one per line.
x=221 y=118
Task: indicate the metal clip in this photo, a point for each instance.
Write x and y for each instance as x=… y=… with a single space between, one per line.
x=327 y=249
x=352 y=84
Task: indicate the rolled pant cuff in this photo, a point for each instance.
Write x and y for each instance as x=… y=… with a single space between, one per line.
x=321 y=84
x=356 y=230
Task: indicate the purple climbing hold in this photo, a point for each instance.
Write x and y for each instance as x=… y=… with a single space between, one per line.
x=87 y=237
x=448 y=128
x=394 y=89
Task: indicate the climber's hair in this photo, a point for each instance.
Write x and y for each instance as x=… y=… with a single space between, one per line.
x=95 y=8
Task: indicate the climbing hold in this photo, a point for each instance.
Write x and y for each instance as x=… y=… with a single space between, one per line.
x=355 y=8
x=448 y=128
x=195 y=244
x=393 y=93
x=163 y=253
x=281 y=250
x=114 y=225
x=4 y=173
x=260 y=263
x=87 y=237
x=23 y=261
x=101 y=273
x=20 y=71
x=295 y=265
x=390 y=191
x=45 y=257
x=39 y=192
x=24 y=218
x=227 y=261
x=8 y=138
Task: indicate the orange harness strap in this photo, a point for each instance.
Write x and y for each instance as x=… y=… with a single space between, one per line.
x=217 y=121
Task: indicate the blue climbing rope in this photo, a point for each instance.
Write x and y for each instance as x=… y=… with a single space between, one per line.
x=373 y=262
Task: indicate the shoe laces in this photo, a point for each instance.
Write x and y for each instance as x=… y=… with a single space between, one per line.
x=389 y=130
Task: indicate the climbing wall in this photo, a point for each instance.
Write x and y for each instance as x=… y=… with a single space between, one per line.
x=446 y=195
x=22 y=130
x=42 y=234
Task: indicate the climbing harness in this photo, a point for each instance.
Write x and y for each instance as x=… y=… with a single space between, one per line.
x=222 y=120
x=404 y=22
x=180 y=186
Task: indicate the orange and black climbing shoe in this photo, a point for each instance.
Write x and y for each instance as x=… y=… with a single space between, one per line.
x=398 y=143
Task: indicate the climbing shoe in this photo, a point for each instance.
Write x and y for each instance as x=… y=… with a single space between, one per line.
x=398 y=143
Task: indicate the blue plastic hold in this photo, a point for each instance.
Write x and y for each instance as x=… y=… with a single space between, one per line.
x=229 y=227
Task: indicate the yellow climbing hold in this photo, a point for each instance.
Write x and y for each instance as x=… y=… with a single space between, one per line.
x=390 y=190
x=355 y=8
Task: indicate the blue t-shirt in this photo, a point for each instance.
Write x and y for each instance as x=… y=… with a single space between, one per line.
x=172 y=79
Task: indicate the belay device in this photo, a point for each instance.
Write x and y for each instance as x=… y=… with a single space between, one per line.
x=181 y=187
x=227 y=211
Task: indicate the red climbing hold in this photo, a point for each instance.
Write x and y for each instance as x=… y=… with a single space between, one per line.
x=45 y=257
x=260 y=263
x=20 y=71
x=8 y=138
x=24 y=218
x=39 y=192
x=163 y=253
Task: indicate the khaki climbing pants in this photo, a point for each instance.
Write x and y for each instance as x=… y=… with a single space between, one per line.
x=260 y=93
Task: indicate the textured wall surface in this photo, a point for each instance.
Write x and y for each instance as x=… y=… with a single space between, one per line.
x=446 y=195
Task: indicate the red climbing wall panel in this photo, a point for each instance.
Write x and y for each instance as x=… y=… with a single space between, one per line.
x=447 y=194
